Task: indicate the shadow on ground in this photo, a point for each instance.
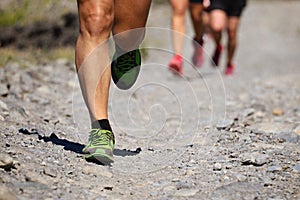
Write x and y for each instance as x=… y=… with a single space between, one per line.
x=74 y=146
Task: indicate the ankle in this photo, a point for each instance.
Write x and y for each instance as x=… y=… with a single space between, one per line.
x=102 y=124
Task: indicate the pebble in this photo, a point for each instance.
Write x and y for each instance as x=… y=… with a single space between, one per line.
x=241 y=177
x=6 y=162
x=32 y=176
x=297 y=130
x=50 y=172
x=3 y=105
x=290 y=137
x=3 y=89
x=226 y=124
x=217 y=167
x=26 y=82
x=296 y=168
x=260 y=114
x=254 y=158
x=181 y=185
x=278 y=112
x=248 y=112
x=274 y=168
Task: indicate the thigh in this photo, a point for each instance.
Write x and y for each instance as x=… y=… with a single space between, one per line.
x=179 y=6
x=134 y=12
x=218 y=19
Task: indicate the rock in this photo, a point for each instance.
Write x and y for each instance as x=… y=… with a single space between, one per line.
x=274 y=168
x=44 y=89
x=6 y=162
x=3 y=105
x=267 y=181
x=241 y=177
x=226 y=124
x=6 y=193
x=18 y=113
x=97 y=170
x=3 y=89
x=50 y=172
x=26 y=82
x=296 y=168
x=255 y=159
x=297 y=130
x=248 y=112
x=217 y=167
x=35 y=177
x=260 y=114
x=181 y=185
x=290 y=137
x=237 y=190
x=185 y=192
x=278 y=112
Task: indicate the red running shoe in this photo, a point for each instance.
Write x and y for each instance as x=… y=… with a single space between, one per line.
x=198 y=53
x=217 y=55
x=229 y=69
x=176 y=64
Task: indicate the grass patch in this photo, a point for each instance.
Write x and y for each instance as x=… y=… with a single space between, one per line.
x=65 y=52
x=35 y=56
x=10 y=17
x=23 y=12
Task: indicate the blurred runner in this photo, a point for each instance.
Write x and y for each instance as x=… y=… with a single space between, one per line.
x=225 y=14
x=179 y=8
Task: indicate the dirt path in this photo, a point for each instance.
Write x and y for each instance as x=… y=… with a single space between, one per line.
x=202 y=136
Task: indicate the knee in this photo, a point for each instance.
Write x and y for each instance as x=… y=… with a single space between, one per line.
x=179 y=10
x=96 y=22
x=216 y=27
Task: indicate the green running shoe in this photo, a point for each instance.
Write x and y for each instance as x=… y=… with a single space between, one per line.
x=125 y=69
x=100 y=146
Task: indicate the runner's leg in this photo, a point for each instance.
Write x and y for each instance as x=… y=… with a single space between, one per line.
x=196 y=15
x=96 y=18
x=178 y=24
x=130 y=14
x=233 y=23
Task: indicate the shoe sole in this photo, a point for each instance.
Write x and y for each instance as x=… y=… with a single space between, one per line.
x=175 y=69
x=120 y=84
x=99 y=159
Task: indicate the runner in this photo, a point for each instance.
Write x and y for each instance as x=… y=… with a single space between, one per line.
x=179 y=9
x=98 y=18
x=225 y=14
x=196 y=8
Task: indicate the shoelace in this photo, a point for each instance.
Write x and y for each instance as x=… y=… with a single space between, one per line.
x=126 y=61
x=100 y=137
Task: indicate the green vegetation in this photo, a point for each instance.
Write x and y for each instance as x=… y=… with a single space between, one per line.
x=24 y=12
x=11 y=17
x=39 y=56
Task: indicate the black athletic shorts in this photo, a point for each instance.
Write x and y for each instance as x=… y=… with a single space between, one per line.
x=230 y=7
x=196 y=1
